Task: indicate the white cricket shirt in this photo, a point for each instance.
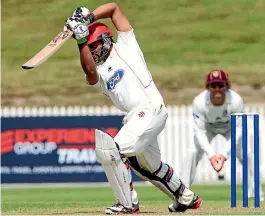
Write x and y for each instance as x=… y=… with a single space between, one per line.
x=124 y=76
x=215 y=118
x=208 y=117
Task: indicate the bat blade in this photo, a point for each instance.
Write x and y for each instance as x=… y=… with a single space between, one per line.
x=48 y=50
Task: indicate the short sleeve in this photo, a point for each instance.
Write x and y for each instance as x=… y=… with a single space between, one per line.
x=127 y=39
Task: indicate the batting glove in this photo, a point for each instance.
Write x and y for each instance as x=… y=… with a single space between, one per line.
x=79 y=27
x=84 y=13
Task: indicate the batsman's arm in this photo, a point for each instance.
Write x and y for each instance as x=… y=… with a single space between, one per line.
x=113 y=11
x=88 y=64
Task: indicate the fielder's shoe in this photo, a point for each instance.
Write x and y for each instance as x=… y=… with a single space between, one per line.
x=120 y=209
x=176 y=207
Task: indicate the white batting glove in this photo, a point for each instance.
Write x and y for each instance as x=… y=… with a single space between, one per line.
x=81 y=12
x=84 y=14
x=79 y=27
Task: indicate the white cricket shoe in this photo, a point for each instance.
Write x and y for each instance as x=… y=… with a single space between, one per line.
x=120 y=209
x=176 y=207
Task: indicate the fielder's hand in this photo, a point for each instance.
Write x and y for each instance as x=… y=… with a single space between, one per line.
x=217 y=162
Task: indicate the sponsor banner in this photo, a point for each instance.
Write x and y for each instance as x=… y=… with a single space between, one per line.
x=53 y=149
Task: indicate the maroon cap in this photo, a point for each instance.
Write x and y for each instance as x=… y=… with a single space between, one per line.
x=217 y=75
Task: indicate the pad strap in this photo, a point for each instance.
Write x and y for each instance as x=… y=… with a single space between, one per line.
x=163 y=175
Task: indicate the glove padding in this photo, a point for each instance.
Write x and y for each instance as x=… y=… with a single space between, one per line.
x=78 y=26
x=84 y=14
x=81 y=12
x=79 y=22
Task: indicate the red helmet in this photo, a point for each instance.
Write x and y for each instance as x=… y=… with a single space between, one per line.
x=217 y=75
x=97 y=31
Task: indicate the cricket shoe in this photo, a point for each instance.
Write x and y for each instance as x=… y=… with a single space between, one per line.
x=120 y=209
x=177 y=207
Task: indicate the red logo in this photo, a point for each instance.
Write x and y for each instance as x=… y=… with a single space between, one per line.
x=141 y=114
x=64 y=137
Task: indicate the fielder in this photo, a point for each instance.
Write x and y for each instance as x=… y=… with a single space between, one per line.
x=120 y=71
x=211 y=113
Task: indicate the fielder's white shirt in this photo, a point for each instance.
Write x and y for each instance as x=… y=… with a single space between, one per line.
x=124 y=76
x=208 y=117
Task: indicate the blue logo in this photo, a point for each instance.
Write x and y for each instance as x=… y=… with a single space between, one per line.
x=113 y=81
x=195 y=115
x=225 y=113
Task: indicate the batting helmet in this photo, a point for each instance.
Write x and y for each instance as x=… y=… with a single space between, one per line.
x=98 y=31
x=217 y=75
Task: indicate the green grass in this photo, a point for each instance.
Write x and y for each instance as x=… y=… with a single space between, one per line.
x=181 y=40
x=90 y=200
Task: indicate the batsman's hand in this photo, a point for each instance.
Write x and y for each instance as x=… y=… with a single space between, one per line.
x=79 y=27
x=81 y=12
x=84 y=14
x=217 y=162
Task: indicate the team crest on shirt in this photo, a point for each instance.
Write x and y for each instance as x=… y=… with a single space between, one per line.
x=225 y=113
x=141 y=114
x=115 y=79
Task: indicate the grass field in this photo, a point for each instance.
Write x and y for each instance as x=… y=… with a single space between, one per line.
x=181 y=42
x=93 y=200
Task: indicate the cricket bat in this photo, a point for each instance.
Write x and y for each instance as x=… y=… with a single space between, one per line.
x=48 y=50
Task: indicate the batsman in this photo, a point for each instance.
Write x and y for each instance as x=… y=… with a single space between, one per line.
x=211 y=114
x=119 y=70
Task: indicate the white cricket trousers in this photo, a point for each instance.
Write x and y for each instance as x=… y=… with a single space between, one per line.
x=138 y=139
x=138 y=136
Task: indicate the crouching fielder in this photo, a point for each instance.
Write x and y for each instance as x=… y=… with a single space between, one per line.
x=120 y=71
x=211 y=113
